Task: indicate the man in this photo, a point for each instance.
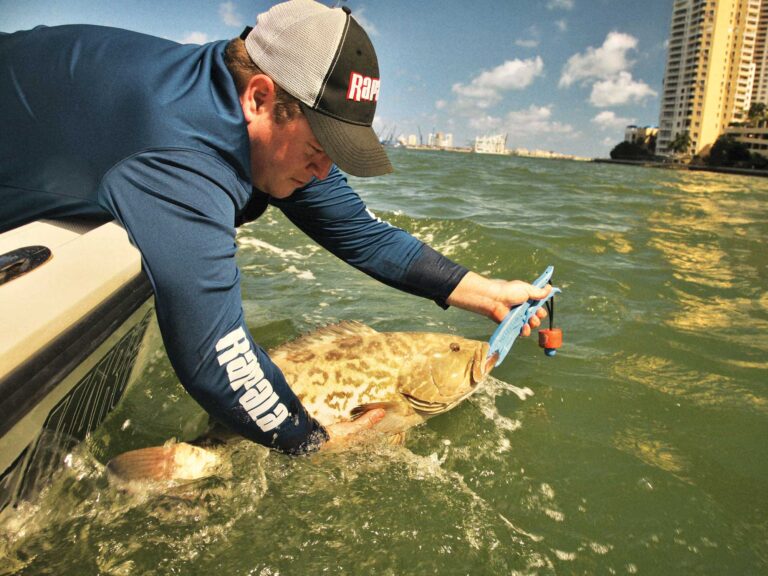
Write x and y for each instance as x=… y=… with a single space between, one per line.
x=180 y=144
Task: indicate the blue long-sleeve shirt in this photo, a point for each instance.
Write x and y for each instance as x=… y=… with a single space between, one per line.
x=101 y=121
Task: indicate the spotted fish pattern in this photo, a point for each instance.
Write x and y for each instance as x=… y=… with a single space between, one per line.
x=342 y=370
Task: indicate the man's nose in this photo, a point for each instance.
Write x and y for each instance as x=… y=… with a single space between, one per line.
x=321 y=166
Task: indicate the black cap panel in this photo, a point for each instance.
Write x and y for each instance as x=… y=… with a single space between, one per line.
x=351 y=90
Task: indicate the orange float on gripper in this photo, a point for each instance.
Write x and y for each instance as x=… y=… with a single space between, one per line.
x=551 y=339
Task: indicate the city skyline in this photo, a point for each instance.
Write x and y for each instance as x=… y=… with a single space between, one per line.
x=563 y=75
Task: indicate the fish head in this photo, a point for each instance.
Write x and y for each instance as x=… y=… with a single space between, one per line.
x=446 y=371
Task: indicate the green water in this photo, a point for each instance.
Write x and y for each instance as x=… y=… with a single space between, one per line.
x=643 y=449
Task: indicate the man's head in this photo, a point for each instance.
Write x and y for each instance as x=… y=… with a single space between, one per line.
x=242 y=69
x=324 y=61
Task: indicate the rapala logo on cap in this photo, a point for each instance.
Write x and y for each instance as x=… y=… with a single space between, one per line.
x=363 y=88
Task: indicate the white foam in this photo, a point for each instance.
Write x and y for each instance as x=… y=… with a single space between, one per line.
x=260 y=245
x=533 y=537
x=556 y=515
x=300 y=274
x=547 y=491
x=601 y=549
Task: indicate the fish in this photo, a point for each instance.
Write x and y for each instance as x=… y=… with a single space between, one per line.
x=340 y=372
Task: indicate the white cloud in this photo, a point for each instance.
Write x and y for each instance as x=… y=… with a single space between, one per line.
x=607 y=120
x=228 y=14
x=378 y=125
x=562 y=25
x=562 y=4
x=600 y=63
x=195 y=38
x=485 y=89
x=535 y=120
x=440 y=104
x=486 y=123
x=619 y=90
x=527 y=43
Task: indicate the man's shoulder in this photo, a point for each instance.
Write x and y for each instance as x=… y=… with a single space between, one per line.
x=196 y=178
x=42 y=35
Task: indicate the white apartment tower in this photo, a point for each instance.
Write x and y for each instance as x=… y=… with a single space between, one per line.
x=710 y=72
x=760 y=87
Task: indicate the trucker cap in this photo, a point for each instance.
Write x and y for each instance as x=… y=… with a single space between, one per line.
x=323 y=57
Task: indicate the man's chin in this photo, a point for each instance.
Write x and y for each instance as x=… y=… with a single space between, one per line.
x=281 y=192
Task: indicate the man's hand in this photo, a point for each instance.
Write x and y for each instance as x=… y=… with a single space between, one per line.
x=347 y=433
x=494 y=298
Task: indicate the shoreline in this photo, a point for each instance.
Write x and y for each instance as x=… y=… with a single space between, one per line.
x=688 y=167
x=540 y=154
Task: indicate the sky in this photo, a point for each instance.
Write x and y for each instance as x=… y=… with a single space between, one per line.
x=560 y=75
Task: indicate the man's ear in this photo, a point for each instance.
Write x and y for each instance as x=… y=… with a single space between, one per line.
x=258 y=97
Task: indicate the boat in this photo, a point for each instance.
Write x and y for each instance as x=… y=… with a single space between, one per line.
x=75 y=307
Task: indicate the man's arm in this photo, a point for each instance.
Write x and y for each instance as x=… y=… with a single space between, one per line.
x=175 y=208
x=333 y=215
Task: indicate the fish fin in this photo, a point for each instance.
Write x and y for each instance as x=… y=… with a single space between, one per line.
x=172 y=461
x=397 y=439
x=155 y=463
x=325 y=335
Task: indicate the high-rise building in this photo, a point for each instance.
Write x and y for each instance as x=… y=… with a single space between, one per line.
x=760 y=86
x=710 y=72
x=440 y=140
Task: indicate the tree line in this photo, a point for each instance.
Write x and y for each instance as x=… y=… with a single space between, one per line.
x=726 y=151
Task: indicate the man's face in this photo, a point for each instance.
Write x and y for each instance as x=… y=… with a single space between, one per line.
x=286 y=156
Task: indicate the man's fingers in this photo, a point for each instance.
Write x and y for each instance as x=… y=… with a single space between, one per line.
x=539 y=293
x=371 y=418
x=346 y=433
x=500 y=312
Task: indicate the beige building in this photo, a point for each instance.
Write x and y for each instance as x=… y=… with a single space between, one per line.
x=755 y=138
x=760 y=86
x=440 y=140
x=710 y=71
x=640 y=134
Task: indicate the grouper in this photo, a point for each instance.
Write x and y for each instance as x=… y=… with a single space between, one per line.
x=340 y=372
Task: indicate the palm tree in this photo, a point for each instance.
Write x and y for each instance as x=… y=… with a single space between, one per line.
x=682 y=143
x=756 y=111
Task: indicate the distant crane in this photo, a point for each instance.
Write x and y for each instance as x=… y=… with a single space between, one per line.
x=387 y=139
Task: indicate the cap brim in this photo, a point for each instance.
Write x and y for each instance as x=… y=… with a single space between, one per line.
x=353 y=148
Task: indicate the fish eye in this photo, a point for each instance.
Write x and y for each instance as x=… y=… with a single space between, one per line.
x=455 y=347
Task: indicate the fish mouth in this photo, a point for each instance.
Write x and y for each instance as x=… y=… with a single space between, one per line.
x=482 y=364
x=490 y=363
